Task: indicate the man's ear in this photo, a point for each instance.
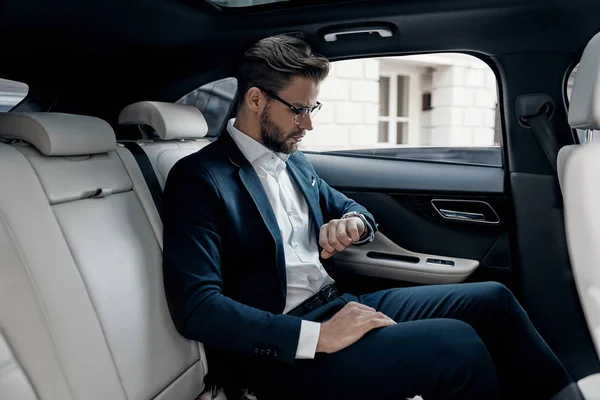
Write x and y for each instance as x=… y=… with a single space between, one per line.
x=254 y=99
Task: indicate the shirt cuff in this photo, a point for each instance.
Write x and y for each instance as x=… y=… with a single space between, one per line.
x=309 y=338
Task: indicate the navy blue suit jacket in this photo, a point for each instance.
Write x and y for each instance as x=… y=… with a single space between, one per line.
x=224 y=264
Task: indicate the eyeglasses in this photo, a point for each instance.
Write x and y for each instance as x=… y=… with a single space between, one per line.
x=301 y=112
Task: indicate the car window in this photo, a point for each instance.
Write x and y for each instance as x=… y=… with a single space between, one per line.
x=439 y=107
x=11 y=94
x=214 y=100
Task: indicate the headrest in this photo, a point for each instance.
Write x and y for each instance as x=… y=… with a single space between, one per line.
x=169 y=120
x=57 y=134
x=584 y=109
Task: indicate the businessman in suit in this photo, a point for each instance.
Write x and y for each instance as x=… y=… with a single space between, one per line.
x=249 y=234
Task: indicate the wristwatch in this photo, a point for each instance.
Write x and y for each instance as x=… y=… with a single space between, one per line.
x=368 y=235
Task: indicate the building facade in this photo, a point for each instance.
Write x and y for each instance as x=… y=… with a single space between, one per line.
x=448 y=100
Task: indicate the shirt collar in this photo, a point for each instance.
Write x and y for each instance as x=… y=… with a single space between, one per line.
x=250 y=148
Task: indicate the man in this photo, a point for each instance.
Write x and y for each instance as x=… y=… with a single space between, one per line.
x=250 y=230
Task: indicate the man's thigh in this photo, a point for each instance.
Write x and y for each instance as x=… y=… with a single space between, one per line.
x=432 y=358
x=468 y=302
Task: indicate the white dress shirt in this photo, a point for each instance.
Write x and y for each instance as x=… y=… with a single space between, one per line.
x=305 y=273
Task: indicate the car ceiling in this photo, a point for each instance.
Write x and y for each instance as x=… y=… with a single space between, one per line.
x=126 y=50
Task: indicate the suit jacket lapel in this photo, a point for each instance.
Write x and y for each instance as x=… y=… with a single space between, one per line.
x=254 y=186
x=309 y=192
x=256 y=190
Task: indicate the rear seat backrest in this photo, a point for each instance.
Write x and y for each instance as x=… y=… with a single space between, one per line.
x=181 y=130
x=82 y=307
x=578 y=173
x=584 y=107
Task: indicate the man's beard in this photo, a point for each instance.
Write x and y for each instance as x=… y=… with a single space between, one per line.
x=273 y=138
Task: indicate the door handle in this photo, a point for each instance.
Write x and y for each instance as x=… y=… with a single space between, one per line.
x=381 y=30
x=462 y=215
x=472 y=211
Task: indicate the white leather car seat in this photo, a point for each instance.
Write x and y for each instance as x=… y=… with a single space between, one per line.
x=181 y=131
x=83 y=314
x=578 y=173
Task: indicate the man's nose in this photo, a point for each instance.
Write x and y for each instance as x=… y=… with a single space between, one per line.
x=306 y=123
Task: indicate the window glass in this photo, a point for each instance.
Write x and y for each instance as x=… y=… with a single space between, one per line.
x=435 y=107
x=11 y=94
x=214 y=99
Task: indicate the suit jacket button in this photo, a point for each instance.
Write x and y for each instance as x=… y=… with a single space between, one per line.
x=275 y=354
x=262 y=352
x=268 y=352
x=255 y=350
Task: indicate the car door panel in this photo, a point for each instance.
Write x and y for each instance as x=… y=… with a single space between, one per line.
x=383 y=258
x=364 y=172
x=409 y=200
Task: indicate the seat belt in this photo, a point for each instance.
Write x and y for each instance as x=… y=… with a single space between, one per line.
x=544 y=133
x=149 y=174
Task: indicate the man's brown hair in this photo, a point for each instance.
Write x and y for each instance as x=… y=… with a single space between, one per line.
x=273 y=61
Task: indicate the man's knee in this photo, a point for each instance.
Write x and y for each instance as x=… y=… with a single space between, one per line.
x=449 y=343
x=463 y=343
x=465 y=362
x=495 y=296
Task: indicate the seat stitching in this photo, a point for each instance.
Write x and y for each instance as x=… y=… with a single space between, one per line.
x=9 y=367
x=39 y=298
x=82 y=281
x=158 y=157
x=179 y=376
x=139 y=200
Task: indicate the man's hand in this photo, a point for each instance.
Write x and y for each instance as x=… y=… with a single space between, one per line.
x=338 y=234
x=348 y=325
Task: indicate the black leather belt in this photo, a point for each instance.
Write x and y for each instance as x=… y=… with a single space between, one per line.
x=324 y=296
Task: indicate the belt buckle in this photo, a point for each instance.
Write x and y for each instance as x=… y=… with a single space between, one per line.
x=328 y=293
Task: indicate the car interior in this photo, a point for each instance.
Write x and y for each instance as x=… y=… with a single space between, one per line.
x=117 y=92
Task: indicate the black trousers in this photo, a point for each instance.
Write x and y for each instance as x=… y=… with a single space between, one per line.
x=466 y=341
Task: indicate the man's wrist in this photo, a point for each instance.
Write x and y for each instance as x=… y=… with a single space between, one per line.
x=368 y=234
x=321 y=343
